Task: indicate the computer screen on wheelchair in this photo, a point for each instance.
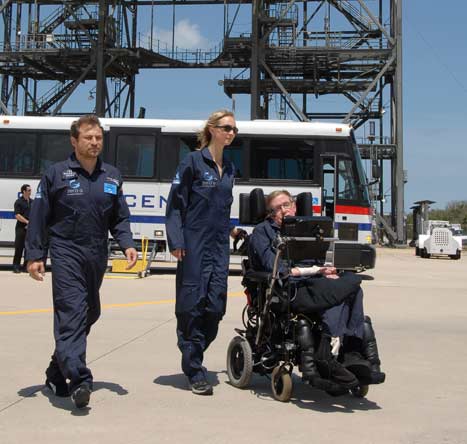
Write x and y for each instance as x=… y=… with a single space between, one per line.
x=305 y=237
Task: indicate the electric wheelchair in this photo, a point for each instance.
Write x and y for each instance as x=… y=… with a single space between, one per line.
x=274 y=337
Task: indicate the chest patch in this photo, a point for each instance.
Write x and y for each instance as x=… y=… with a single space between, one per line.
x=74 y=188
x=208 y=180
x=110 y=188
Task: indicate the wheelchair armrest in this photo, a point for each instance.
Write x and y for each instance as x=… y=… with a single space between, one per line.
x=257 y=276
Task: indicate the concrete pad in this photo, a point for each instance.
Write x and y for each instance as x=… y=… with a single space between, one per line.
x=419 y=311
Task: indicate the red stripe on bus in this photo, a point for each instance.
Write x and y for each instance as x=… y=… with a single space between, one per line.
x=350 y=209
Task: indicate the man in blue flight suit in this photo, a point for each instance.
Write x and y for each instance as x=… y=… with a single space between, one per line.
x=198 y=226
x=77 y=202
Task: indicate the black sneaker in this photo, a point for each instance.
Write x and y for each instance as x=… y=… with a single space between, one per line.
x=59 y=389
x=201 y=388
x=16 y=270
x=336 y=372
x=81 y=396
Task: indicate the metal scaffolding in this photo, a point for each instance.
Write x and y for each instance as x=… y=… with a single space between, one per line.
x=296 y=51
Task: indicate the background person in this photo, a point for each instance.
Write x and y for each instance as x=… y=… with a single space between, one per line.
x=198 y=225
x=22 y=209
x=77 y=202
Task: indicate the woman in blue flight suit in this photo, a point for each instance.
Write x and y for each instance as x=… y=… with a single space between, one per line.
x=198 y=225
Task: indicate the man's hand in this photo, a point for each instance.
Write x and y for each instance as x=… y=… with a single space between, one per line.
x=329 y=272
x=131 y=257
x=36 y=270
x=178 y=253
x=238 y=233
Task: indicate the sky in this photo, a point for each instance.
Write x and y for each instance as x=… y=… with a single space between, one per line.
x=434 y=87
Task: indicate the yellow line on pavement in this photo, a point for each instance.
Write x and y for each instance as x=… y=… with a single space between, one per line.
x=129 y=304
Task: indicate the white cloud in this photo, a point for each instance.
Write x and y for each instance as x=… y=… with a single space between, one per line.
x=187 y=36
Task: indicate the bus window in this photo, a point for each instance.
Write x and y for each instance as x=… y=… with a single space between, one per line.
x=54 y=148
x=187 y=144
x=17 y=153
x=291 y=159
x=136 y=155
x=348 y=185
x=233 y=152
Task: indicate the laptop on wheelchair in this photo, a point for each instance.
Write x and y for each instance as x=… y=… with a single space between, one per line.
x=307 y=237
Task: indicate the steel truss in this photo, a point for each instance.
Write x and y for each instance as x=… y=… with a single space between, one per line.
x=297 y=51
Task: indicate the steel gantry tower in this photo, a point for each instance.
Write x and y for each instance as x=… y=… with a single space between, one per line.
x=295 y=54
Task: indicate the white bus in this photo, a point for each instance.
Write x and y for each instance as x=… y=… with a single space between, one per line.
x=321 y=158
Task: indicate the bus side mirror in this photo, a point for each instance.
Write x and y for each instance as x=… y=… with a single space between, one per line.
x=375 y=169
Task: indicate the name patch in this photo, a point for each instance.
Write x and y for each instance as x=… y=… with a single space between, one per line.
x=69 y=174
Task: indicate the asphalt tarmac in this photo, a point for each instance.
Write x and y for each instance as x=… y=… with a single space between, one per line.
x=419 y=311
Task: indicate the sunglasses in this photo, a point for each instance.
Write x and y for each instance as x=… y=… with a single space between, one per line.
x=228 y=128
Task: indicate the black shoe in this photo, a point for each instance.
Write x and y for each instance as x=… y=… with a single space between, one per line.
x=377 y=376
x=81 y=396
x=201 y=388
x=16 y=270
x=336 y=372
x=59 y=389
x=358 y=365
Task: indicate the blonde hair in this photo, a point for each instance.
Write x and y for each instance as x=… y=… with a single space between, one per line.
x=204 y=136
x=274 y=194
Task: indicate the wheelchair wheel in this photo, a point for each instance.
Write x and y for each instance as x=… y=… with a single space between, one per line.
x=360 y=392
x=239 y=362
x=281 y=384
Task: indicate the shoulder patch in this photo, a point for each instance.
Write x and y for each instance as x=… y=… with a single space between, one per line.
x=176 y=179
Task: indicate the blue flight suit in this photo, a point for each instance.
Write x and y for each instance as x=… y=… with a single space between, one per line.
x=339 y=301
x=71 y=216
x=198 y=221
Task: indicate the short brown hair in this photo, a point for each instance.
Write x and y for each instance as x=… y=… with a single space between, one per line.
x=204 y=136
x=88 y=119
x=274 y=194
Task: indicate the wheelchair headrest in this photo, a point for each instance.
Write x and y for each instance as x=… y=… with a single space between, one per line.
x=253 y=206
x=304 y=202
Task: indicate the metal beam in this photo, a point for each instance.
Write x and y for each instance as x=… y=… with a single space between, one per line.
x=75 y=85
x=295 y=108
x=376 y=22
x=370 y=87
x=398 y=126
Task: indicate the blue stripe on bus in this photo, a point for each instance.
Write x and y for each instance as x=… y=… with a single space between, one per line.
x=361 y=227
x=135 y=218
x=161 y=220
x=7 y=215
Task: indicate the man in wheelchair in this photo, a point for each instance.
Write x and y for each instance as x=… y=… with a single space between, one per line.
x=347 y=353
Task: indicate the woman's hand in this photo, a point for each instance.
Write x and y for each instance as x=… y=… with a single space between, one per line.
x=178 y=253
